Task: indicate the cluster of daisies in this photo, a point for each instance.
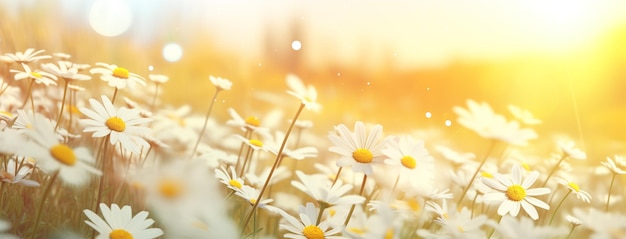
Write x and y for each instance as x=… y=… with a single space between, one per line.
x=83 y=161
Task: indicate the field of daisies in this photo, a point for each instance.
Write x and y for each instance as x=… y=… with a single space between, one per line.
x=90 y=151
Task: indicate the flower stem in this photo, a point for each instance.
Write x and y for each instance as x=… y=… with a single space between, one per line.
x=43 y=200
x=62 y=105
x=554 y=170
x=608 y=199
x=559 y=206
x=491 y=146
x=337 y=176
x=206 y=121
x=276 y=162
x=345 y=223
x=571 y=231
x=323 y=207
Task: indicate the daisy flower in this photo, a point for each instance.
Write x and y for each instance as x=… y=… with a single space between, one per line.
x=307 y=94
x=73 y=164
x=120 y=223
x=30 y=55
x=15 y=174
x=573 y=188
x=306 y=227
x=159 y=79
x=523 y=115
x=229 y=179
x=117 y=77
x=616 y=165
x=250 y=195
x=322 y=190
x=251 y=123
x=221 y=83
x=121 y=125
x=570 y=151
x=514 y=192
x=64 y=72
x=357 y=149
x=456 y=223
x=480 y=118
x=510 y=227
x=40 y=77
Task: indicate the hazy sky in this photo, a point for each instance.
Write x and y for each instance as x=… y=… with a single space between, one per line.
x=412 y=33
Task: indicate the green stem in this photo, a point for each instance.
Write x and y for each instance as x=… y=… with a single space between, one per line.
x=43 y=200
x=276 y=162
x=345 y=223
x=323 y=207
x=62 y=105
x=608 y=199
x=206 y=121
x=571 y=231
x=554 y=170
x=559 y=206
x=469 y=185
x=494 y=229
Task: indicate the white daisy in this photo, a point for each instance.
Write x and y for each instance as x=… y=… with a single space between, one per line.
x=73 y=164
x=39 y=77
x=480 y=118
x=617 y=165
x=250 y=195
x=514 y=192
x=322 y=190
x=570 y=151
x=117 y=77
x=510 y=227
x=158 y=78
x=229 y=179
x=307 y=94
x=121 y=125
x=603 y=225
x=457 y=223
x=357 y=149
x=120 y=223
x=574 y=188
x=249 y=123
x=30 y=55
x=306 y=227
x=64 y=72
x=16 y=173
x=221 y=83
x=523 y=115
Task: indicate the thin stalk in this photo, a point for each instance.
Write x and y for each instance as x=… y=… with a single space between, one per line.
x=345 y=223
x=608 y=199
x=491 y=146
x=276 y=162
x=554 y=170
x=62 y=105
x=206 y=121
x=337 y=176
x=559 y=206
x=43 y=200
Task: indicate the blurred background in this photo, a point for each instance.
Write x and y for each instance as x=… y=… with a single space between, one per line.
x=400 y=63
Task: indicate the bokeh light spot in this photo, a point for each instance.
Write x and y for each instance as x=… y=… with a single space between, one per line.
x=428 y=115
x=172 y=52
x=296 y=45
x=448 y=123
x=110 y=17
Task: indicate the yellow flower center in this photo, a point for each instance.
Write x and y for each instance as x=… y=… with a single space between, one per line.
x=120 y=73
x=574 y=186
x=526 y=166
x=35 y=74
x=234 y=183
x=313 y=232
x=116 y=124
x=460 y=228
x=179 y=120
x=256 y=142
x=253 y=121
x=331 y=212
x=362 y=155
x=252 y=201
x=515 y=192
x=358 y=231
x=408 y=161
x=486 y=174
x=413 y=204
x=63 y=154
x=389 y=234
x=120 y=234
x=170 y=188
